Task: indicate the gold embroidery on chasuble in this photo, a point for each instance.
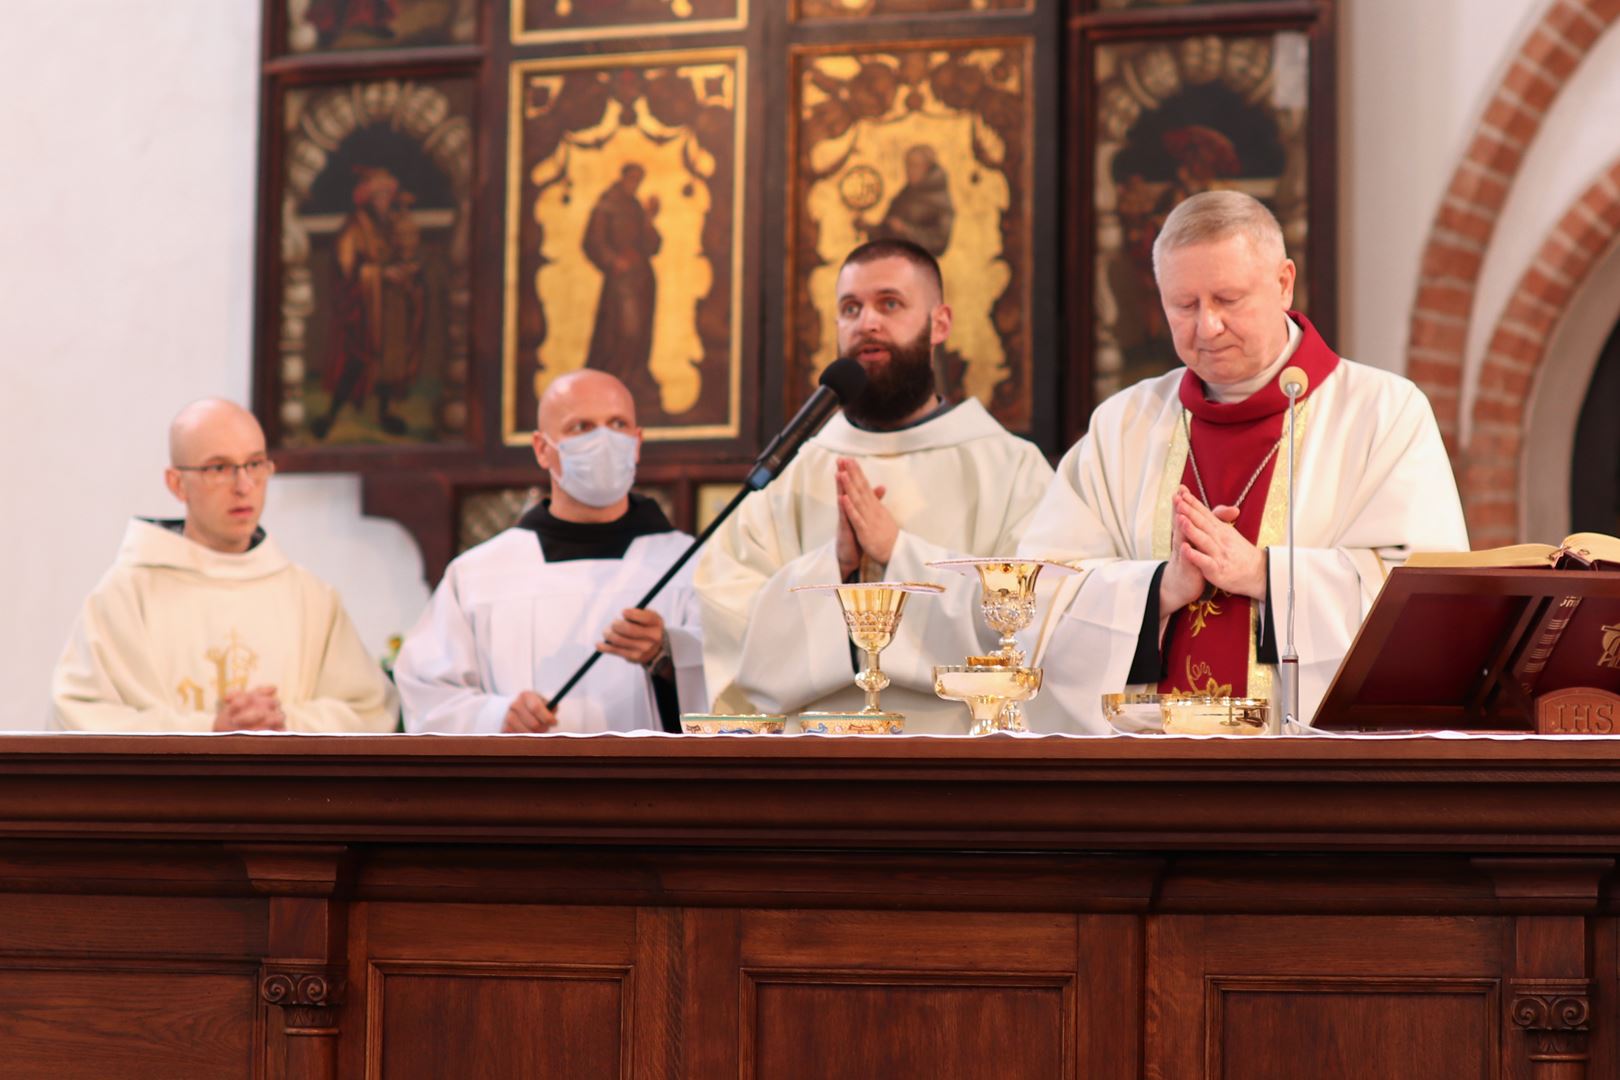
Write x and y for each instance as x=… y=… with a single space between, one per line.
x=232 y=667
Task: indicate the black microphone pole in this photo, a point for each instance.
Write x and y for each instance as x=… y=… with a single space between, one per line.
x=843 y=380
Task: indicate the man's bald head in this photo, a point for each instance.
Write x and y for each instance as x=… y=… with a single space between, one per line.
x=581 y=394
x=218 y=468
x=213 y=427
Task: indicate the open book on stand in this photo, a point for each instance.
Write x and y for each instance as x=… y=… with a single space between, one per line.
x=1522 y=638
x=1582 y=551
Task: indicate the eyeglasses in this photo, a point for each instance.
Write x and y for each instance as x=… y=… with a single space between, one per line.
x=220 y=473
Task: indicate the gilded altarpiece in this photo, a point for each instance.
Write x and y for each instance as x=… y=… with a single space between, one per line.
x=931 y=144
x=430 y=171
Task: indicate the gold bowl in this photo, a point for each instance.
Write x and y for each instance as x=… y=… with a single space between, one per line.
x=1169 y=714
x=715 y=724
x=987 y=690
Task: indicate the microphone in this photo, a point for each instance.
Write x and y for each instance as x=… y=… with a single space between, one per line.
x=1293 y=382
x=843 y=380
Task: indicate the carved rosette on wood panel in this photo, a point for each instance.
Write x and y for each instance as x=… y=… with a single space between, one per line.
x=310 y=995
x=1555 y=1014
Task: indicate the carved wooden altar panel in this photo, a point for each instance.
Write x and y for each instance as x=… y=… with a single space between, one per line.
x=1255 y=997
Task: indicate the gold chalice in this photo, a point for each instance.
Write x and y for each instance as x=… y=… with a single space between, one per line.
x=1007 y=594
x=872 y=613
x=995 y=687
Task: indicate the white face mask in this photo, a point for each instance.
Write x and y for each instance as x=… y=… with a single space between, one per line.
x=598 y=467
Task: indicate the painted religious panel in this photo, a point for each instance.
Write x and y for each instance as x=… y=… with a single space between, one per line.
x=375 y=196
x=342 y=25
x=623 y=224
x=1176 y=117
x=929 y=143
x=811 y=10
x=535 y=21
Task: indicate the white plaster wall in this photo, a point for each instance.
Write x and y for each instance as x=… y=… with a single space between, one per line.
x=1415 y=76
x=126 y=269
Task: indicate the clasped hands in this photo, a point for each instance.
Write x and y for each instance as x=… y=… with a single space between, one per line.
x=866 y=528
x=637 y=636
x=257 y=709
x=1206 y=549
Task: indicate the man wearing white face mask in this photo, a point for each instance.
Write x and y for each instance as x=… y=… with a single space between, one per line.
x=517 y=615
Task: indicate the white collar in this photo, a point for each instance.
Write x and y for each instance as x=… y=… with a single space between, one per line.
x=1233 y=393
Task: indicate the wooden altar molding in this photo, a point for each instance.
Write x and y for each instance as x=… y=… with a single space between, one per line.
x=808 y=908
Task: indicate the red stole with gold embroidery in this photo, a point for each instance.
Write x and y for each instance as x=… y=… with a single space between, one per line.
x=1207 y=646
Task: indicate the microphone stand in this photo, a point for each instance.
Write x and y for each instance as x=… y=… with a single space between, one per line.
x=658 y=586
x=842 y=380
x=1288 y=663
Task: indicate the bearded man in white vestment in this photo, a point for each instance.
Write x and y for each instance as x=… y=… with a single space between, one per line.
x=1175 y=501
x=204 y=624
x=517 y=615
x=895 y=481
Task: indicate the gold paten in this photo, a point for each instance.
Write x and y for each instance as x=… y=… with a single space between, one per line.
x=1181 y=714
x=872 y=613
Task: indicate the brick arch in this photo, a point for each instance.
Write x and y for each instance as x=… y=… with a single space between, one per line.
x=1517 y=349
x=1454 y=255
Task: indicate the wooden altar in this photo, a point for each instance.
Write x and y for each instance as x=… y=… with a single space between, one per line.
x=268 y=906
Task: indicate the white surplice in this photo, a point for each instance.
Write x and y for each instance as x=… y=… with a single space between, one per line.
x=958 y=484
x=504 y=620
x=1373 y=483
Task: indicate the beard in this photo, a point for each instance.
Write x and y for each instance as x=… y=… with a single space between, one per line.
x=897 y=388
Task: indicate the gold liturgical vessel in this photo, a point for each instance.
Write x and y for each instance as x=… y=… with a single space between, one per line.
x=1189 y=714
x=995 y=687
x=872 y=613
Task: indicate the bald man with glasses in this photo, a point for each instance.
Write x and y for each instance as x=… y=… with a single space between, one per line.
x=203 y=624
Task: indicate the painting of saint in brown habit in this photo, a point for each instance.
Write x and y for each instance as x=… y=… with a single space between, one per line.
x=334 y=25
x=922 y=211
x=620 y=241
x=374 y=293
x=623 y=210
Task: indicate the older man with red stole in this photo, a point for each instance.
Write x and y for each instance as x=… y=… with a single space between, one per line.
x=1176 y=499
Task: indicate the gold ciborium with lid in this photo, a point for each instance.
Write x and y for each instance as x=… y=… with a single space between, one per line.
x=872 y=613
x=994 y=687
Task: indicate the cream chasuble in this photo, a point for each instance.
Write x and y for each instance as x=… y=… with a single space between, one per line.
x=504 y=620
x=174 y=626
x=958 y=485
x=1373 y=481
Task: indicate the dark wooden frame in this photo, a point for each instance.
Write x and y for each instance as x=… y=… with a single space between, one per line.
x=1089 y=27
